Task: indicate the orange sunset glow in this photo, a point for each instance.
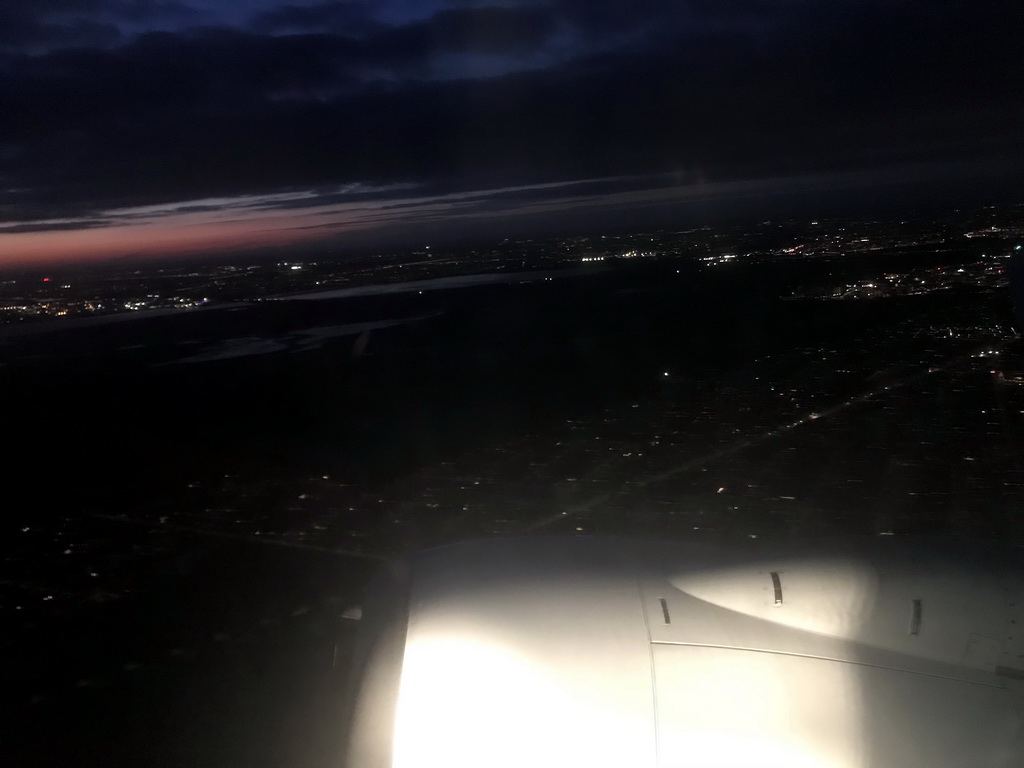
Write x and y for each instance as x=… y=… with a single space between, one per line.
x=175 y=234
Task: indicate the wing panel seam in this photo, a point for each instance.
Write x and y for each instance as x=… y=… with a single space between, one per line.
x=828 y=658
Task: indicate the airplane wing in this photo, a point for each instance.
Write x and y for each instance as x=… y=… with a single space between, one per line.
x=608 y=652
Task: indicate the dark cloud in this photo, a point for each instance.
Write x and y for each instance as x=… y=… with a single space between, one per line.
x=326 y=94
x=345 y=18
x=18 y=30
x=485 y=30
x=52 y=226
x=47 y=25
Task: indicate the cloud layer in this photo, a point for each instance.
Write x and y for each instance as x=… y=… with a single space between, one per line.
x=116 y=103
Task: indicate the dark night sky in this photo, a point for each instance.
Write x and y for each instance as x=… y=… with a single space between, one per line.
x=135 y=126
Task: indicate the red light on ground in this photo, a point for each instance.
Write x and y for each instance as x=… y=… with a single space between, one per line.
x=46 y=279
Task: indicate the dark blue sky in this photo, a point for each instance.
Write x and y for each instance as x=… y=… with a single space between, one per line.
x=114 y=109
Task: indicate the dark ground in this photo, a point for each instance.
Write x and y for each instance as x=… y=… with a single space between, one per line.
x=210 y=499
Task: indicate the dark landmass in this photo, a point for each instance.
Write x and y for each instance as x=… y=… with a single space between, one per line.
x=182 y=538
